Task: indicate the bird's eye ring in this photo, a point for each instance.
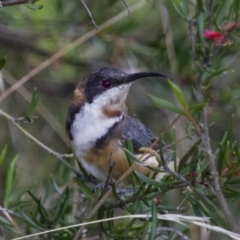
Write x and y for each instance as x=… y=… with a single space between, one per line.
x=106 y=83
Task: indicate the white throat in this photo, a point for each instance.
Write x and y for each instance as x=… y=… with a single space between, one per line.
x=91 y=123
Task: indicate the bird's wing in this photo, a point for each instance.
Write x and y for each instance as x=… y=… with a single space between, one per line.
x=140 y=135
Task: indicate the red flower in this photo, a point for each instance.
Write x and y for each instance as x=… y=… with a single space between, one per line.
x=210 y=34
x=217 y=37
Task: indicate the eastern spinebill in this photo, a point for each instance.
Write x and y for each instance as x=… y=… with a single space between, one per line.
x=98 y=123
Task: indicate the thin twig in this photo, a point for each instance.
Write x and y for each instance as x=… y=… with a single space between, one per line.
x=7 y=213
x=69 y=47
x=15 y=2
x=108 y=180
x=134 y=198
x=89 y=14
x=46 y=148
x=125 y=3
x=175 y=174
x=42 y=110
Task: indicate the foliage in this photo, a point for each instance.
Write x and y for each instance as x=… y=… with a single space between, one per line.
x=197 y=43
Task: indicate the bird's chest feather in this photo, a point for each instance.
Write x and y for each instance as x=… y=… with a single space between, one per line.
x=89 y=128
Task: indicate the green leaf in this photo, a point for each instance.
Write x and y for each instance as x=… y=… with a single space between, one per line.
x=114 y=190
x=199 y=6
x=128 y=228
x=151 y=196
x=110 y=223
x=85 y=189
x=55 y=185
x=61 y=205
x=222 y=11
x=33 y=105
x=197 y=107
x=236 y=7
x=3 y=154
x=9 y=181
x=179 y=94
x=4 y=222
x=191 y=151
x=31 y=222
x=148 y=180
x=132 y=157
x=185 y=7
x=154 y=221
x=129 y=151
x=41 y=209
x=167 y=105
x=200 y=25
x=34 y=7
x=179 y=12
x=2 y=61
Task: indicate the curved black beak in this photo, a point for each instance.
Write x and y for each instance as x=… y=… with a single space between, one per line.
x=132 y=77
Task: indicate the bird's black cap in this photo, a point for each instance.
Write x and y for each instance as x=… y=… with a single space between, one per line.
x=107 y=78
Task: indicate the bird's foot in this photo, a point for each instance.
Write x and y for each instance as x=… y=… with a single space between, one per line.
x=105 y=186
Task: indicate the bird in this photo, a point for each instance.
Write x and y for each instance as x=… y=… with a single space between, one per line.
x=98 y=123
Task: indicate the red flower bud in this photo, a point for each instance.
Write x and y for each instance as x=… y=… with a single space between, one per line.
x=210 y=34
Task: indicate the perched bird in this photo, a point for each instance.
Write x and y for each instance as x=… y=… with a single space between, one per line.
x=98 y=123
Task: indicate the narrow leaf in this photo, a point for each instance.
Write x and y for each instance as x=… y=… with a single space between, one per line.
x=179 y=94
x=184 y=159
x=33 y=7
x=9 y=181
x=185 y=7
x=200 y=25
x=33 y=105
x=3 y=154
x=61 y=205
x=85 y=189
x=148 y=180
x=154 y=221
x=179 y=12
x=222 y=11
x=2 y=61
x=167 y=105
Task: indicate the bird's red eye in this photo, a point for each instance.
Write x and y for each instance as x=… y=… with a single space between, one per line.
x=106 y=83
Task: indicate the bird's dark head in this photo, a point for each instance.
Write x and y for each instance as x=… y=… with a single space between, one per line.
x=110 y=84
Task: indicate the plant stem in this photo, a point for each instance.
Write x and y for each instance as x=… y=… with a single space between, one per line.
x=207 y=144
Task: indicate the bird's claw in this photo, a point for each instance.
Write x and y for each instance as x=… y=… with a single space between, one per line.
x=105 y=186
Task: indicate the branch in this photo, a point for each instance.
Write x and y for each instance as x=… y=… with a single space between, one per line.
x=90 y=14
x=126 y=5
x=18 y=40
x=46 y=148
x=6 y=3
x=70 y=47
x=134 y=198
x=206 y=141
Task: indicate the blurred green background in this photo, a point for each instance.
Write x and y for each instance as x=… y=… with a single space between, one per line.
x=135 y=43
